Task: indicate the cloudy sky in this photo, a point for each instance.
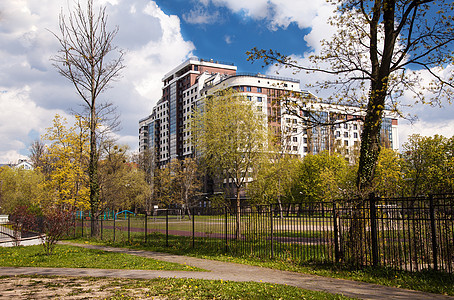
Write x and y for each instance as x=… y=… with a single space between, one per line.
x=157 y=36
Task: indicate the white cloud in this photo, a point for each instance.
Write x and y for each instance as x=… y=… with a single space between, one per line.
x=425 y=128
x=279 y=13
x=228 y=39
x=200 y=15
x=32 y=91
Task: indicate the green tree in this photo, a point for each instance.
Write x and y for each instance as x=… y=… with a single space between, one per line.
x=231 y=138
x=375 y=55
x=18 y=187
x=322 y=177
x=123 y=184
x=388 y=180
x=275 y=175
x=428 y=164
x=89 y=60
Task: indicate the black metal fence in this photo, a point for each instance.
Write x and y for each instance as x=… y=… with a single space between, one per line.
x=406 y=233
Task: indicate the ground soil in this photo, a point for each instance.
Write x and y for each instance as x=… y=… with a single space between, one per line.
x=18 y=287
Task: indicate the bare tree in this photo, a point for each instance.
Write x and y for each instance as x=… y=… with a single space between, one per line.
x=37 y=151
x=374 y=57
x=90 y=61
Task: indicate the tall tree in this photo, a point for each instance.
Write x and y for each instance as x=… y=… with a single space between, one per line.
x=90 y=61
x=146 y=161
x=375 y=55
x=231 y=137
x=123 y=184
x=186 y=182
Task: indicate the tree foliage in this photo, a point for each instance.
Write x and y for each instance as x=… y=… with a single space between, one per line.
x=429 y=164
x=388 y=180
x=18 y=187
x=65 y=165
x=323 y=177
x=376 y=54
x=122 y=183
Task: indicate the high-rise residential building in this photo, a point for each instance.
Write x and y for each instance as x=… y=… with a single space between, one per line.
x=292 y=113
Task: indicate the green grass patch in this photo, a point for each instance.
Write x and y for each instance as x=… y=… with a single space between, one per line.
x=66 y=256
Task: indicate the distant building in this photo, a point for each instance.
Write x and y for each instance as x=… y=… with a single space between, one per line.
x=165 y=130
x=21 y=163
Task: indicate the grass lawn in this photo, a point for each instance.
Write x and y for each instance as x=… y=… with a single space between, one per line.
x=35 y=287
x=427 y=281
x=110 y=288
x=75 y=257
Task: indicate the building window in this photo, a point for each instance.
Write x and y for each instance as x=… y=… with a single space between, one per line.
x=355 y=135
x=241 y=88
x=259 y=99
x=338 y=134
x=346 y=134
x=346 y=143
x=249 y=98
x=355 y=126
x=259 y=108
x=259 y=90
x=248 y=89
x=345 y=125
x=295 y=139
x=295 y=148
x=295 y=129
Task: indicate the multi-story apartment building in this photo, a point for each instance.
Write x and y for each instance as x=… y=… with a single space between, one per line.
x=294 y=115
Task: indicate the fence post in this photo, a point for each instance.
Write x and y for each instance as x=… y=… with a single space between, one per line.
x=167 y=227
x=129 y=227
x=226 y=240
x=146 y=223
x=193 y=228
x=272 y=232
x=336 y=234
x=82 y=219
x=373 y=229
x=114 y=227
x=434 y=231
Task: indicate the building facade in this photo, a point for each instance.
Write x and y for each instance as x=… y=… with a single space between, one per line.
x=296 y=116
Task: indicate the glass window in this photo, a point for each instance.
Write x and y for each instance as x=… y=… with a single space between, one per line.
x=249 y=98
x=259 y=99
x=248 y=89
x=259 y=90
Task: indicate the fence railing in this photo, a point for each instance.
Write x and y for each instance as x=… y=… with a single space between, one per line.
x=406 y=233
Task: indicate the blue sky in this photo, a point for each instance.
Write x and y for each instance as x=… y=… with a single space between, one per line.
x=157 y=36
x=231 y=34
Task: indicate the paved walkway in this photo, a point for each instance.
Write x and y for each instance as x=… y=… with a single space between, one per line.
x=234 y=272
